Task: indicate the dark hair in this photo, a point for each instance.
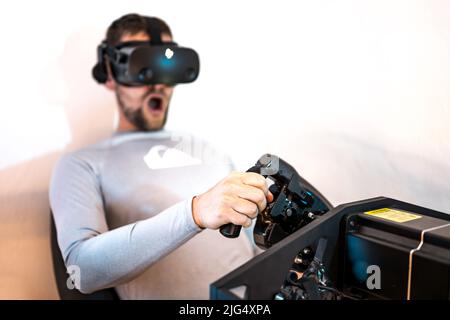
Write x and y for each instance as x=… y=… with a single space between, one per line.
x=132 y=23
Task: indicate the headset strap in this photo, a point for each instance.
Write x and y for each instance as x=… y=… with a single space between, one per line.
x=154 y=31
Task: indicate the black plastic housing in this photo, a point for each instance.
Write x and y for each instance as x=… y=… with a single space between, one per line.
x=384 y=243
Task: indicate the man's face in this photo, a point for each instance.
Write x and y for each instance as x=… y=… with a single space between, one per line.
x=143 y=108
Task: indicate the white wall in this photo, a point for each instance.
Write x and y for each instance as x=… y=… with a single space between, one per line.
x=354 y=94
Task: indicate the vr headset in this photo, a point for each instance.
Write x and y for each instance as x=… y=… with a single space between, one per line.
x=138 y=63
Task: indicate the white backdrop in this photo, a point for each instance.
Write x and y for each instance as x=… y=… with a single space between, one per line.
x=354 y=94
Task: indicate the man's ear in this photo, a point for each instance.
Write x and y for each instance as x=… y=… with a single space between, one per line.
x=110 y=82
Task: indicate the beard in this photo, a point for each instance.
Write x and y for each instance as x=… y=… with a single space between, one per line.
x=137 y=117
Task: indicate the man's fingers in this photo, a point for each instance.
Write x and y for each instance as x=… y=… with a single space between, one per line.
x=270 y=197
x=239 y=219
x=243 y=206
x=255 y=180
x=254 y=195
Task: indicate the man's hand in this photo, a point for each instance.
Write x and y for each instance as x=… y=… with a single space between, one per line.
x=237 y=199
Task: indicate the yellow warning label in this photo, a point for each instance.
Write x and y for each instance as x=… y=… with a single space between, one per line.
x=393 y=215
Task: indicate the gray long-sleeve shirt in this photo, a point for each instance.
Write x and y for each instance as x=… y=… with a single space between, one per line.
x=123 y=213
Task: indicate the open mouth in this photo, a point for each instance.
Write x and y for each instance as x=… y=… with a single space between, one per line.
x=155 y=104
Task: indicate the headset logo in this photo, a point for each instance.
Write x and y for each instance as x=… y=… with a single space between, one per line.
x=74 y=280
x=374 y=278
x=169 y=53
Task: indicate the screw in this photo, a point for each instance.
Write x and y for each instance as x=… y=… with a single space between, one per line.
x=311 y=215
x=298 y=260
x=306 y=251
x=352 y=223
x=289 y=212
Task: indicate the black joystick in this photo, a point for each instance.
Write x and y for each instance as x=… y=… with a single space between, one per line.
x=231 y=230
x=295 y=204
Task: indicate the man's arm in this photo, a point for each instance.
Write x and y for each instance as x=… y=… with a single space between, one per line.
x=107 y=258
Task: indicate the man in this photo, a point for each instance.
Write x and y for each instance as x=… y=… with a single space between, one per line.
x=129 y=221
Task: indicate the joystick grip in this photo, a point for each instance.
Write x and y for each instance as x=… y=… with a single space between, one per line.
x=230 y=230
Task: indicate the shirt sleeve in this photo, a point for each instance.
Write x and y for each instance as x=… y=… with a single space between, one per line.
x=107 y=258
